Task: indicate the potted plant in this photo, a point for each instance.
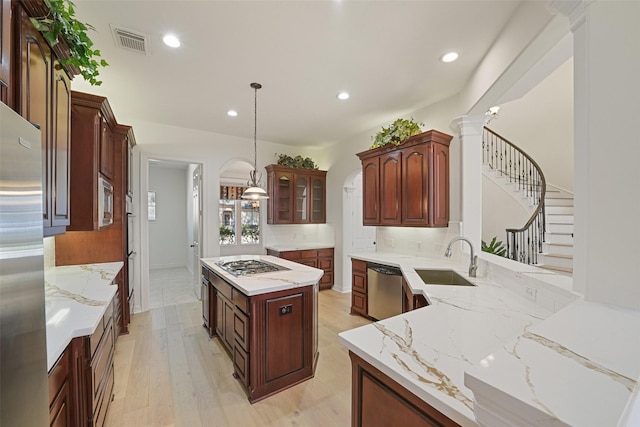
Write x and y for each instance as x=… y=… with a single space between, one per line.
x=494 y=247
x=62 y=23
x=296 y=162
x=396 y=133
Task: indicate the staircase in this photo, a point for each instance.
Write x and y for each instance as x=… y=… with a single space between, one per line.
x=546 y=240
x=557 y=248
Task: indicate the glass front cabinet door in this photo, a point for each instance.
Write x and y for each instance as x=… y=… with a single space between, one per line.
x=296 y=196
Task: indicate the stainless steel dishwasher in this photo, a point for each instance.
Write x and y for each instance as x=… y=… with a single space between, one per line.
x=384 y=291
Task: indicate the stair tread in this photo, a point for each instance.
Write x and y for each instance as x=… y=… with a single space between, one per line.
x=558 y=255
x=553 y=267
x=560 y=233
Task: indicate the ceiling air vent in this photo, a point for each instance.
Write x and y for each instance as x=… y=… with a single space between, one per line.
x=130 y=40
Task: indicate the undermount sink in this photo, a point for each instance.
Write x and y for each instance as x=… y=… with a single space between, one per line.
x=443 y=277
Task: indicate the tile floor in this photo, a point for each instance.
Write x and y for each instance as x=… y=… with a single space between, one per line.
x=170 y=286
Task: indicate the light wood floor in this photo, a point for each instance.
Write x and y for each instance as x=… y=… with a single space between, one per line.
x=169 y=373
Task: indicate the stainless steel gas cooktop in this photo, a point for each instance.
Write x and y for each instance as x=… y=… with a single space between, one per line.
x=247 y=267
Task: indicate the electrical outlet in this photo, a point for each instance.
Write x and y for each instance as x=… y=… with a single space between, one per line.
x=419 y=245
x=390 y=242
x=295 y=235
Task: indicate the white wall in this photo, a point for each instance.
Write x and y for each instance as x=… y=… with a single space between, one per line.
x=541 y=124
x=168 y=245
x=500 y=210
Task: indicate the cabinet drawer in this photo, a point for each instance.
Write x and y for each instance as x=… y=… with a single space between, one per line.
x=309 y=262
x=359 y=283
x=241 y=364
x=102 y=366
x=223 y=287
x=325 y=264
x=358 y=265
x=290 y=255
x=100 y=414
x=327 y=278
x=94 y=340
x=310 y=253
x=241 y=329
x=325 y=252
x=358 y=303
x=240 y=300
x=205 y=273
x=58 y=376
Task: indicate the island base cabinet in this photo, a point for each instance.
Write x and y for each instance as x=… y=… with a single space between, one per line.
x=271 y=338
x=378 y=401
x=283 y=341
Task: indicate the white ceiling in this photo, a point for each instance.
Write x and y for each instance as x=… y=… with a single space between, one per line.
x=385 y=53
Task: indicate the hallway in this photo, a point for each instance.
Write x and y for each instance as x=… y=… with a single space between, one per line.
x=171 y=286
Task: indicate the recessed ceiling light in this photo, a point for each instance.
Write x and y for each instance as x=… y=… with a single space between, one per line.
x=171 y=40
x=450 y=57
x=343 y=95
x=232 y=113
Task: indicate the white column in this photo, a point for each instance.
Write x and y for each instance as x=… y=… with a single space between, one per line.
x=468 y=130
x=607 y=149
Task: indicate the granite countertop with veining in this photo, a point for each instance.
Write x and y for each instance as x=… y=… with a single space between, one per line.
x=76 y=298
x=428 y=350
x=294 y=276
x=580 y=367
x=526 y=366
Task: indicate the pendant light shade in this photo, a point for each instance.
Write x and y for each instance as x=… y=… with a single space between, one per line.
x=255 y=192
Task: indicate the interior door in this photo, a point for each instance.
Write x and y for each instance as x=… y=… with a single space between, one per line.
x=197 y=226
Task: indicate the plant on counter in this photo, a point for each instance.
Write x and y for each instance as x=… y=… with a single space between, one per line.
x=61 y=22
x=494 y=247
x=396 y=133
x=296 y=162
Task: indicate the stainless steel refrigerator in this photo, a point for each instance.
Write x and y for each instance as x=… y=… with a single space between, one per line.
x=23 y=352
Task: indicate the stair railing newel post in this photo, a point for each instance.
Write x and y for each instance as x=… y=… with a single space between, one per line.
x=525 y=243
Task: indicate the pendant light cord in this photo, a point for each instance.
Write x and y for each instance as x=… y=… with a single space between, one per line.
x=255 y=86
x=254 y=174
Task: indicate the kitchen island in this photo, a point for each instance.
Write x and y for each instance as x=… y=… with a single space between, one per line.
x=487 y=355
x=267 y=321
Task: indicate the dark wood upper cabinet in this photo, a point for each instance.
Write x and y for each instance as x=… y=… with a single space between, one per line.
x=92 y=122
x=106 y=151
x=407 y=185
x=5 y=51
x=39 y=89
x=371 y=190
x=296 y=196
x=61 y=148
x=390 y=188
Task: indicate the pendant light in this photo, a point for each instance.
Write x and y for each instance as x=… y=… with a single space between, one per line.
x=254 y=192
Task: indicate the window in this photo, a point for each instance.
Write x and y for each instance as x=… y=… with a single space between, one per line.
x=248 y=227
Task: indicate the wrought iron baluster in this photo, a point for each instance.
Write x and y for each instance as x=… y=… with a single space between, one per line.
x=525 y=243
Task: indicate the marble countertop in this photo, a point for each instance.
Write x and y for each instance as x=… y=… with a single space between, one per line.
x=76 y=298
x=487 y=355
x=296 y=276
x=298 y=246
x=580 y=367
x=428 y=350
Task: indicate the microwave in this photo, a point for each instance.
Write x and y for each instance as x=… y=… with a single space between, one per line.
x=105 y=202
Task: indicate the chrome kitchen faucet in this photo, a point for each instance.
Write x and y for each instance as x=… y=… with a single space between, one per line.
x=473 y=265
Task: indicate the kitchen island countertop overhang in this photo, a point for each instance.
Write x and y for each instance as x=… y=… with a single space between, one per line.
x=295 y=276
